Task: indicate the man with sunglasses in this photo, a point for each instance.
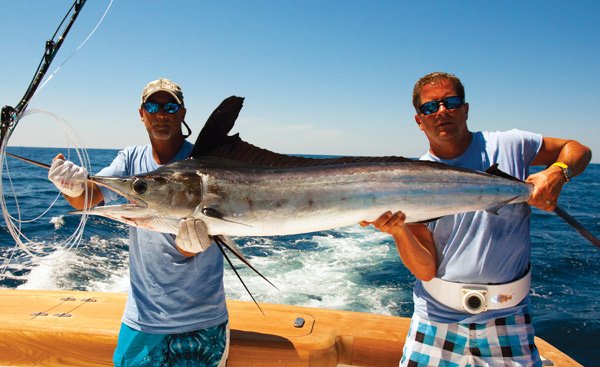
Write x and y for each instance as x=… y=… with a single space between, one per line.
x=473 y=274
x=175 y=312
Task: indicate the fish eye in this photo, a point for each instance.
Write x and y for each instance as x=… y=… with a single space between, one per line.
x=139 y=186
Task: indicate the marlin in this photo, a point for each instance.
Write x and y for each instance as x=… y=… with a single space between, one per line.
x=237 y=189
x=233 y=188
x=238 y=199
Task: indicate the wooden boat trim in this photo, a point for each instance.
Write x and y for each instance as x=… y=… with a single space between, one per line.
x=81 y=328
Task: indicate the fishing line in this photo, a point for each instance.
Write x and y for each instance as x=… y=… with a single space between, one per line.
x=21 y=220
x=78 y=48
x=10 y=118
x=15 y=222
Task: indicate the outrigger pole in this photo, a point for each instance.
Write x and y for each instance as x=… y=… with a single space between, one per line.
x=10 y=116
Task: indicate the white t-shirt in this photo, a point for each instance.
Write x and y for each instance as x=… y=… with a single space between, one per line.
x=483 y=247
x=170 y=293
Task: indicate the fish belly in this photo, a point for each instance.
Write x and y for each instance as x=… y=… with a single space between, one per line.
x=301 y=206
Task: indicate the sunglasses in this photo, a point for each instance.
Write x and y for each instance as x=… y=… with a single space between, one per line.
x=169 y=107
x=451 y=103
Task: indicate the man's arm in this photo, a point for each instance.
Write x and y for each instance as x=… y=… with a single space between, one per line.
x=549 y=182
x=70 y=180
x=94 y=194
x=414 y=243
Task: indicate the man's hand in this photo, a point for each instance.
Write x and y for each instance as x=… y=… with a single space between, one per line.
x=68 y=177
x=547 y=187
x=192 y=237
x=388 y=222
x=414 y=243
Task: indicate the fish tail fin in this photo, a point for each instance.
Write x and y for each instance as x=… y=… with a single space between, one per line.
x=494 y=170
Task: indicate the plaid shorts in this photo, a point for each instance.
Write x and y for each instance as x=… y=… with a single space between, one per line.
x=506 y=341
x=206 y=347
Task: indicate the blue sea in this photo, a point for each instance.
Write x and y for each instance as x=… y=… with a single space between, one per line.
x=351 y=268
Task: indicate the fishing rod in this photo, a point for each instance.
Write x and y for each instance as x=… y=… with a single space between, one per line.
x=577 y=226
x=9 y=117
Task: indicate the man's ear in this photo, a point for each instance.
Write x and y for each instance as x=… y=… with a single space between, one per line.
x=419 y=121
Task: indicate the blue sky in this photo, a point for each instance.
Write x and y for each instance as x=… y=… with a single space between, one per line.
x=319 y=77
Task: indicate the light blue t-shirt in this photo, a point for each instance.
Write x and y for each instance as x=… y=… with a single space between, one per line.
x=482 y=247
x=170 y=293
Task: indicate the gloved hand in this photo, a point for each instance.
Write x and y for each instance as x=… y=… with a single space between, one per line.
x=193 y=236
x=68 y=177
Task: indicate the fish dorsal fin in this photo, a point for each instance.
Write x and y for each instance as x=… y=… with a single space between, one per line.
x=494 y=170
x=217 y=126
x=234 y=148
x=213 y=141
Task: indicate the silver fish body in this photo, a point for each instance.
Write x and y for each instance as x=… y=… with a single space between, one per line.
x=240 y=200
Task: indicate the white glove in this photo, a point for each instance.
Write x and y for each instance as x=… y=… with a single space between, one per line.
x=193 y=236
x=68 y=177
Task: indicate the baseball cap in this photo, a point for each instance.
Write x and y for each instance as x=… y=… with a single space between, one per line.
x=164 y=85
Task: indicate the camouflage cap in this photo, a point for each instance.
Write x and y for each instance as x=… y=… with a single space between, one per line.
x=164 y=85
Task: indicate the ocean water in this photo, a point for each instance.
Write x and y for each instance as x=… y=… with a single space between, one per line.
x=352 y=268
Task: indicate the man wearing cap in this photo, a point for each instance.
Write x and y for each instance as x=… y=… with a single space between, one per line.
x=175 y=311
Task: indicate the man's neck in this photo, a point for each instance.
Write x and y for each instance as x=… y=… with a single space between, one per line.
x=450 y=150
x=164 y=151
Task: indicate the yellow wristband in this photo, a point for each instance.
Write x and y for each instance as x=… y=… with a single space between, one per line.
x=565 y=169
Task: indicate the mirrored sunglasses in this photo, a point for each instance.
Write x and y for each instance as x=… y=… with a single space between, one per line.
x=169 y=107
x=451 y=103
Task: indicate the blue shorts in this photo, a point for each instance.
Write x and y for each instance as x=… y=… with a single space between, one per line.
x=506 y=341
x=206 y=347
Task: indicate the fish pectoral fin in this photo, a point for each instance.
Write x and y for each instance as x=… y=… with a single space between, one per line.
x=192 y=236
x=212 y=212
x=216 y=214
